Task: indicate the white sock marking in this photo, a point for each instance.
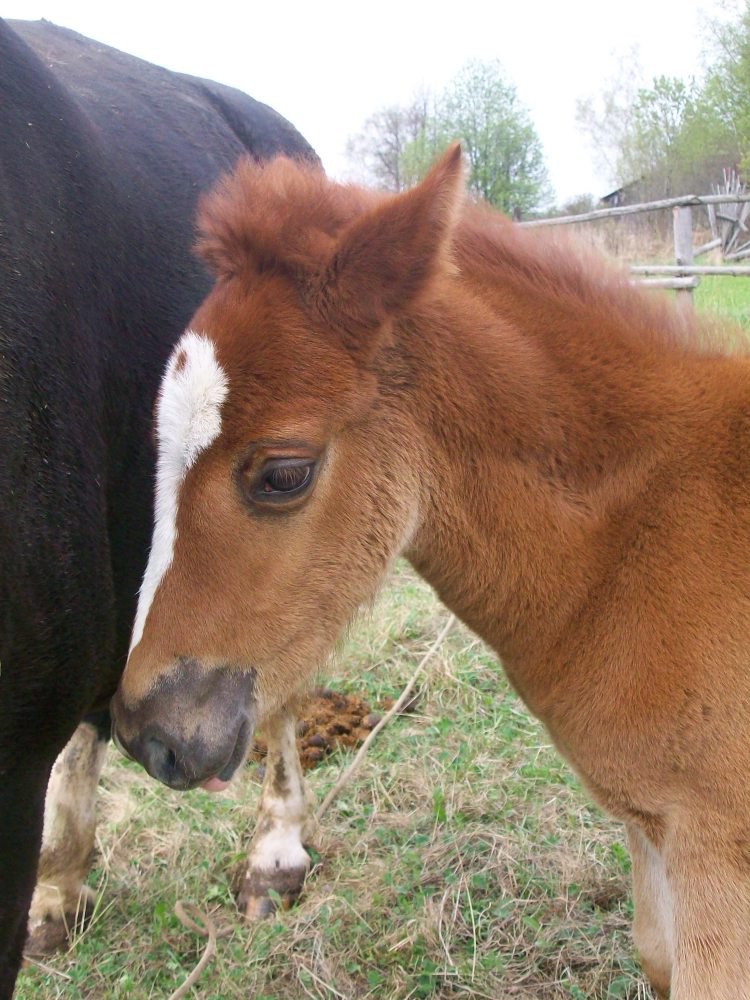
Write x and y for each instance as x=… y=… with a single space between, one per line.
x=284 y=811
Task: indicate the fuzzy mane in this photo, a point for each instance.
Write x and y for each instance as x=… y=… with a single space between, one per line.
x=282 y=214
x=555 y=274
x=285 y=215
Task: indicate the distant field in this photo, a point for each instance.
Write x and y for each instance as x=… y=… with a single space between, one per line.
x=462 y=861
x=728 y=297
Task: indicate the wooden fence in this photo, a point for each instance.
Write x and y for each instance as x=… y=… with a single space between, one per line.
x=729 y=231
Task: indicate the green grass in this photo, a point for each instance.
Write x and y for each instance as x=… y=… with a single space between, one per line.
x=462 y=861
x=728 y=297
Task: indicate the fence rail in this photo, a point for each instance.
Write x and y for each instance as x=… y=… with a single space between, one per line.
x=677 y=284
x=679 y=270
x=686 y=201
x=683 y=276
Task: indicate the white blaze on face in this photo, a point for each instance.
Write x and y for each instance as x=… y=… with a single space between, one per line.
x=188 y=420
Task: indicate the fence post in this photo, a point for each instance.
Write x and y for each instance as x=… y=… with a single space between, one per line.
x=682 y=226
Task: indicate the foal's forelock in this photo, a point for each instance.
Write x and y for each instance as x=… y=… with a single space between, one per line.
x=188 y=420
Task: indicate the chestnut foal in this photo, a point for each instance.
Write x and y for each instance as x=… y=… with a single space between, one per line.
x=564 y=458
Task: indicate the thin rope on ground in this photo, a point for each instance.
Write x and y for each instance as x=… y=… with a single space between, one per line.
x=206 y=928
x=393 y=711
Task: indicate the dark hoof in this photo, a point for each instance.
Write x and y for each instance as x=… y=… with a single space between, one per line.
x=255 y=900
x=47 y=938
x=51 y=924
x=53 y=932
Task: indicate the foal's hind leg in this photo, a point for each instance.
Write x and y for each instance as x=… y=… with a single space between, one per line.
x=653 y=923
x=277 y=859
x=61 y=901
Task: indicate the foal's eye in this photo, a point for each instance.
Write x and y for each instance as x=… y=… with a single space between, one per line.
x=279 y=480
x=286 y=478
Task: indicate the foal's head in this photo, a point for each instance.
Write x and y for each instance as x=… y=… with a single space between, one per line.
x=285 y=477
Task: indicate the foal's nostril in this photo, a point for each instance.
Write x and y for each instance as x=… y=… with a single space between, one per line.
x=160 y=761
x=193 y=725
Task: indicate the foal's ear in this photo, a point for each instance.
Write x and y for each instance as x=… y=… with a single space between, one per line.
x=386 y=258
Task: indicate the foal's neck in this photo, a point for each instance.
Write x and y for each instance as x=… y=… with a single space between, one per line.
x=540 y=431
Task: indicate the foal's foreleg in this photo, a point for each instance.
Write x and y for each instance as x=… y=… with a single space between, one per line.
x=277 y=859
x=61 y=901
x=653 y=923
x=709 y=872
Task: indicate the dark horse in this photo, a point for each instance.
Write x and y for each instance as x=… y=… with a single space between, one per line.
x=102 y=157
x=564 y=458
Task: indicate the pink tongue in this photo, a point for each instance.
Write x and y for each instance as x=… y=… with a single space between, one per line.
x=214 y=785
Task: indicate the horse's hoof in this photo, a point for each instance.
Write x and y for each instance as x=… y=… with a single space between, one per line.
x=49 y=936
x=263 y=893
x=52 y=926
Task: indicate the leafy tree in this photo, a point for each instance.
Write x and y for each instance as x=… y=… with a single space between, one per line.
x=479 y=108
x=654 y=145
x=386 y=134
x=675 y=136
x=506 y=161
x=605 y=119
x=726 y=96
x=639 y=132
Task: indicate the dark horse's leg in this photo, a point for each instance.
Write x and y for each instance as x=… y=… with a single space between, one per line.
x=39 y=710
x=61 y=901
x=22 y=792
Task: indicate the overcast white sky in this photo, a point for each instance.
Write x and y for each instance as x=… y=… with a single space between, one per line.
x=327 y=65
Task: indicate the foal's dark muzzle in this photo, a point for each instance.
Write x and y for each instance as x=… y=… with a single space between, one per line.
x=194 y=725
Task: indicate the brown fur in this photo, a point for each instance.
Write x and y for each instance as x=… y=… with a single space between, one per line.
x=562 y=457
